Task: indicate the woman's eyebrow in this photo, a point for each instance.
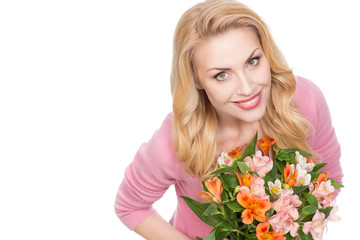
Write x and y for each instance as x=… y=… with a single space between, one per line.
x=226 y=69
x=219 y=69
x=252 y=54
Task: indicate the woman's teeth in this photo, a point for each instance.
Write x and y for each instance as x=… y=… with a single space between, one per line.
x=249 y=102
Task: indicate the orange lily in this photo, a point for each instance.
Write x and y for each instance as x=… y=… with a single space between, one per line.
x=236 y=152
x=265 y=144
x=254 y=208
x=215 y=187
x=262 y=233
x=322 y=177
x=245 y=180
x=290 y=175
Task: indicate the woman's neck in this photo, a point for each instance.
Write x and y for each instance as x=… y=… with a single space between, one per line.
x=230 y=135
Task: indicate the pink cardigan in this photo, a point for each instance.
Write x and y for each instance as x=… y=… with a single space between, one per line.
x=155 y=167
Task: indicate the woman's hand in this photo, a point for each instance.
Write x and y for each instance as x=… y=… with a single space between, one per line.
x=154 y=227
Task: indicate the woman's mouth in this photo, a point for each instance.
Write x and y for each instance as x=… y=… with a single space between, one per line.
x=250 y=103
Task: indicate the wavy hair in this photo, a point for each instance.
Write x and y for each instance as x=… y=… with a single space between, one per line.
x=194 y=118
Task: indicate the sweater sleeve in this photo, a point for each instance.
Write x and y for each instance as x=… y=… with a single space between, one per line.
x=322 y=137
x=147 y=178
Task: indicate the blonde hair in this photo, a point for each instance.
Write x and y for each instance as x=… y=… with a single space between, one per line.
x=194 y=118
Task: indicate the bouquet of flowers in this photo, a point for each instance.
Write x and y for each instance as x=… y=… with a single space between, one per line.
x=252 y=196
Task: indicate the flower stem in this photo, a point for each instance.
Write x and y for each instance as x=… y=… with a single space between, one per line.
x=236 y=224
x=224 y=214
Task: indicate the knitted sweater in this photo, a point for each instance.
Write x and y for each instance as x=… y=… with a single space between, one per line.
x=155 y=167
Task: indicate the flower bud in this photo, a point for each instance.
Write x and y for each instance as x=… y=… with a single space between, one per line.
x=286 y=186
x=302 y=181
x=236 y=190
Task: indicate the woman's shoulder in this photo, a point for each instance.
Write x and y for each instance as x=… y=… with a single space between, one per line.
x=159 y=152
x=306 y=89
x=166 y=126
x=308 y=98
x=161 y=140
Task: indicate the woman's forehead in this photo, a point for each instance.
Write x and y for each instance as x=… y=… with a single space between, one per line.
x=233 y=44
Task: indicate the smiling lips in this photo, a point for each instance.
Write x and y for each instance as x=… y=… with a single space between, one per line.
x=250 y=103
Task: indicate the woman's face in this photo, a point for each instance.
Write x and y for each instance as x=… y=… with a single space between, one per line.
x=235 y=74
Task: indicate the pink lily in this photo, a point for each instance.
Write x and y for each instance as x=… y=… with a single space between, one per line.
x=316 y=226
x=259 y=164
x=284 y=220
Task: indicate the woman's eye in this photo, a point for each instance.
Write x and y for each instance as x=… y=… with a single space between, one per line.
x=253 y=62
x=221 y=76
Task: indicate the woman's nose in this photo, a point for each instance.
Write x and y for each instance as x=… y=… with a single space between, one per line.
x=244 y=85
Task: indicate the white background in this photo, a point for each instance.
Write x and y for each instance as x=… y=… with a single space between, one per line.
x=84 y=83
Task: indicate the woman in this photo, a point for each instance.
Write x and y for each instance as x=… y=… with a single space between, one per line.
x=228 y=81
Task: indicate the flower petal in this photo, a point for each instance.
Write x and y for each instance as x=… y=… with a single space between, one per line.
x=244 y=197
x=287 y=173
x=247 y=216
x=265 y=144
x=215 y=187
x=322 y=177
x=205 y=195
x=263 y=227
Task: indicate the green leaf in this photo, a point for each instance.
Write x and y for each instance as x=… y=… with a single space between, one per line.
x=304 y=236
x=228 y=212
x=336 y=185
x=242 y=166
x=308 y=210
x=273 y=171
x=226 y=187
x=211 y=236
x=298 y=190
x=225 y=170
x=232 y=236
x=199 y=208
x=250 y=150
x=311 y=199
x=234 y=206
x=231 y=180
x=199 y=238
x=289 y=155
x=268 y=178
x=289 y=237
x=211 y=210
x=308 y=218
x=318 y=166
x=280 y=165
x=222 y=230
x=314 y=175
x=255 y=174
x=326 y=211
x=270 y=212
x=224 y=224
x=224 y=196
x=221 y=233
